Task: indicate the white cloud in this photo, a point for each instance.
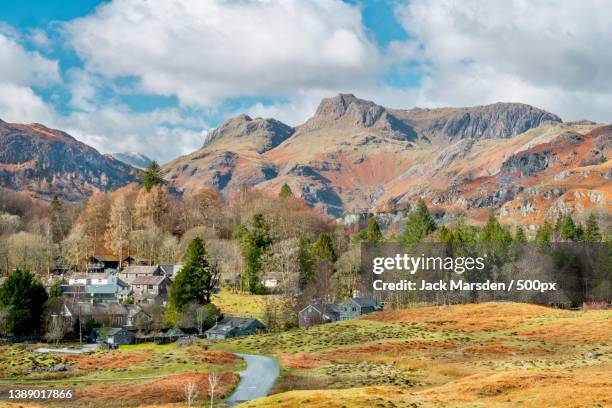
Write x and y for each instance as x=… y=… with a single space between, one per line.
x=555 y=54
x=22 y=67
x=20 y=104
x=162 y=134
x=206 y=51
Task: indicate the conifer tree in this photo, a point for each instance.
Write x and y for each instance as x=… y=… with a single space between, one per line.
x=195 y=281
x=591 y=231
x=519 y=235
x=371 y=233
x=152 y=176
x=324 y=249
x=419 y=224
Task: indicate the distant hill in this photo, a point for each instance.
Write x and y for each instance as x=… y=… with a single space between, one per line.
x=47 y=162
x=354 y=155
x=134 y=159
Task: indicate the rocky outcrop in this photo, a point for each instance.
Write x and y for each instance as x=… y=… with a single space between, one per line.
x=496 y=121
x=48 y=162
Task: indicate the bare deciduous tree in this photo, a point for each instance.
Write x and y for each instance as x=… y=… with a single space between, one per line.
x=213 y=381
x=191 y=392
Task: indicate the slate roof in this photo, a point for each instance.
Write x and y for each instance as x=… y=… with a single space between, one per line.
x=141 y=269
x=365 y=302
x=148 y=280
x=113 y=331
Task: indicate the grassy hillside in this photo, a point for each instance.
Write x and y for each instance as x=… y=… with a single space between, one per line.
x=497 y=354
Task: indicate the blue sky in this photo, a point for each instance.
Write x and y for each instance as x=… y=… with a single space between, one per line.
x=154 y=77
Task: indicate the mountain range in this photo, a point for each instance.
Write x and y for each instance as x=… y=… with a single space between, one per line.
x=354 y=155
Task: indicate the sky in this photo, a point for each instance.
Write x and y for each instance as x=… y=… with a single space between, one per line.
x=155 y=76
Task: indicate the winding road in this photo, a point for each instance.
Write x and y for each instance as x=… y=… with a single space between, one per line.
x=257 y=380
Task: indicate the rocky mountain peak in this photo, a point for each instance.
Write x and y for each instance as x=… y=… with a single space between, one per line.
x=244 y=131
x=344 y=110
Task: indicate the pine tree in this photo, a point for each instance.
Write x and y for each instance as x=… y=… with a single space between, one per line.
x=254 y=242
x=305 y=263
x=152 y=176
x=591 y=231
x=519 y=235
x=324 y=249
x=419 y=224
x=544 y=234
x=371 y=233
x=568 y=228
x=195 y=281
x=24 y=296
x=494 y=232
x=285 y=191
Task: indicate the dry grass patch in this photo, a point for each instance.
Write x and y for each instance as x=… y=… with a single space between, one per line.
x=168 y=389
x=365 y=397
x=552 y=388
x=590 y=328
x=469 y=317
x=108 y=360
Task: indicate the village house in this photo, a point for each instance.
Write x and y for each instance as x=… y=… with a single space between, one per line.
x=135 y=317
x=136 y=271
x=95 y=287
x=234 y=327
x=105 y=314
x=151 y=289
x=104 y=262
x=315 y=314
x=354 y=307
x=116 y=337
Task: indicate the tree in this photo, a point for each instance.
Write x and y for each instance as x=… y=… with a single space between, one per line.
x=75 y=247
x=285 y=191
x=56 y=329
x=324 y=249
x=118 y=227
x=371 y=233
x=519 y=235
x=213 y=381
x=568 y=228
x=419 y=224
x=544 y=234
x=25 y=297
x=254 y=242
x=305 y=263
x=58 y=226
x=493 y=232
x=195 y=281
x=591 y=231
x=152 y=176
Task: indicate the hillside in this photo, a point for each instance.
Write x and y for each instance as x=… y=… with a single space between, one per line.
x=353 y=155
x=474 y=355
x=47 y=162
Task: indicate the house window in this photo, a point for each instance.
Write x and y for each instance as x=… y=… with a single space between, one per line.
x=354 y=309
x=150 y=287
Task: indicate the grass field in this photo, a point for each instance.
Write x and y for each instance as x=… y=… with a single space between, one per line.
x=483 y=355
x=240 y=304
x=130 y=376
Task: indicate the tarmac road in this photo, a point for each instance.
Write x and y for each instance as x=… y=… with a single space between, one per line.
x=257 y=380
